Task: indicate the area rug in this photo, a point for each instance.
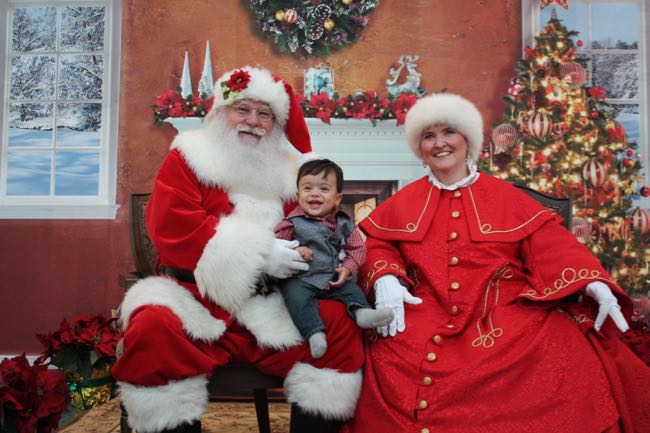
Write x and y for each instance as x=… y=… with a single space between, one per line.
x=219 y=417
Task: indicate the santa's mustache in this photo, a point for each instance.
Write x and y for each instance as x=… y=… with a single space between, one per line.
x=257 y=131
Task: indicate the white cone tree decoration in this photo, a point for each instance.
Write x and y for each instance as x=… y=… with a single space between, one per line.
x=186 y=79
x=206 y=83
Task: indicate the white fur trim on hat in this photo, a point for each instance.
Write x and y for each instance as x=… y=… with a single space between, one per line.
x=447 y=108
x=323 y=391
x=261 y=87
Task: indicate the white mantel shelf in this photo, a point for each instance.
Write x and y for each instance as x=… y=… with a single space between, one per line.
x=364 y=151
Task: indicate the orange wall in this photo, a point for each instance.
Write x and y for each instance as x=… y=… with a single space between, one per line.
x=55 y=269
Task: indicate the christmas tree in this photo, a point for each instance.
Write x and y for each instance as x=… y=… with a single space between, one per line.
x=560 y=137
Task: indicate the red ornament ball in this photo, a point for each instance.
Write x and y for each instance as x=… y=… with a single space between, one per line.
x=644 y=191
x=576 y=73
x=640 y=220
x=595 y=114
x=594 y=172
x=580 y=43
x=504 y=136
x=291 y=16
x=539 y=124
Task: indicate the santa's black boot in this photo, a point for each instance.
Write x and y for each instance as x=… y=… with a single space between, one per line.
x=194 y=427
x=302 y=422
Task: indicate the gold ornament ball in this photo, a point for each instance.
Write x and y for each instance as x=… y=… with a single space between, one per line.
x=328 y=24
x=279 y=15
x=347 y=2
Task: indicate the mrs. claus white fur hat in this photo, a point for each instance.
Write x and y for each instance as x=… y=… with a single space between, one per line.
x=259 y=84
x=454 y=110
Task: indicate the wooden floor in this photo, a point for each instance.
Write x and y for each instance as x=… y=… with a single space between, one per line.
x=230 y=417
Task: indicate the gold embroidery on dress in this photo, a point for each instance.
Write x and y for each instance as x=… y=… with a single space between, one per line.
x=567 y=277
x=380 y=265
x=487 y=340
x=486 y=228
x=577 y=318
x=410 y=227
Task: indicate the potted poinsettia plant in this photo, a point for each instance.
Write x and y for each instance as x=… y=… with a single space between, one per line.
x=84 y=349
x=32 y=398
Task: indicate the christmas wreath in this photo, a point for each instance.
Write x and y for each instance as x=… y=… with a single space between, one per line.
x=313 y=27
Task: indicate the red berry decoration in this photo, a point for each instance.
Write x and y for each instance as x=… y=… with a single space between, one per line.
x=580 y=43
x=595 y=114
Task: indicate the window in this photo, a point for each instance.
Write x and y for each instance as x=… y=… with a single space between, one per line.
x=613 y=36
x=59 y=113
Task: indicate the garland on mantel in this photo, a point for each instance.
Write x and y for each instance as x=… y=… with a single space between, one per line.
x=361 y=105
x=312 y=27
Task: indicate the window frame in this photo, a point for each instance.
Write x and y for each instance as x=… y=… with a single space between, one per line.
x=103 y=205
x=530 y=13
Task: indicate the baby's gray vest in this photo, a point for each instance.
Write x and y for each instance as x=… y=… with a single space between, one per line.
x=325 y=244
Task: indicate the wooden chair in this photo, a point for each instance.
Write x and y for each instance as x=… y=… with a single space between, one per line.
x=227 y=381
x=559 y=205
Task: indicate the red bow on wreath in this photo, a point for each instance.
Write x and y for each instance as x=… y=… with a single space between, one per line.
x=597 y=92
x=546 y=3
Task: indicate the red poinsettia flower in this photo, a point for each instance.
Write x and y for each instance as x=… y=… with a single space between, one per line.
x=402 y=105
x=70 y=347
x=616 y=134
x=597 y=92
x=238 y=80
x=32 y=397
x=322 y=106
x=529 y=52
x=168 y=99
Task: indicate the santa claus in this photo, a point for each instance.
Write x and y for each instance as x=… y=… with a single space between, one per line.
x=216 y=200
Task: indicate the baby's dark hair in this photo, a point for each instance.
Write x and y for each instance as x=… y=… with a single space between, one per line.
x=318 y=166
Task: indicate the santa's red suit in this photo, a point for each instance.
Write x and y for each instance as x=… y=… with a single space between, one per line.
x=206 y=215
x=501 y=342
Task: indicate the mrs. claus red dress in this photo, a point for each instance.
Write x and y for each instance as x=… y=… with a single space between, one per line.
x=502 y=342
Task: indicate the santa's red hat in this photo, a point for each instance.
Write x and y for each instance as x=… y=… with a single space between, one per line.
x=259 y=84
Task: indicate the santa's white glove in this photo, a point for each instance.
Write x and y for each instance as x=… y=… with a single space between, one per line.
x=283 y=261
x=607 y=305
x=390 y=293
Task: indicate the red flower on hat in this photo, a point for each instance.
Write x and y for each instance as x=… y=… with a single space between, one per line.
x=237 y=82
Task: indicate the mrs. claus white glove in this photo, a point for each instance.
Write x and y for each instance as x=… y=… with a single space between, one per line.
x=284 y=261
x=390 y=293
x=607 y=305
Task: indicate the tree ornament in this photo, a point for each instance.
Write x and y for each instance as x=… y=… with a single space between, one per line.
x=594 y=172
x=279 y=15
x=539 y=125
x=644 y=191
x=576 y=72
x=581 y=228
x=595 y=114
x=504 y=136
x=328 y=24
x=515 y=88
x=640 y=220
x=347 y=2
x=579 y=43
x=291 y=16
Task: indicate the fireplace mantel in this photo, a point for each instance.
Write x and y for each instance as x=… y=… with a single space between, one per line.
x=364 y=151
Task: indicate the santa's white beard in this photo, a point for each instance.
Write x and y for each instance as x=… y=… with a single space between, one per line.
x=256 y=164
